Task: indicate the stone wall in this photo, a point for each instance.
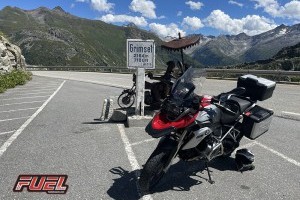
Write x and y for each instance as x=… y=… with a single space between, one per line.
x=10 y=56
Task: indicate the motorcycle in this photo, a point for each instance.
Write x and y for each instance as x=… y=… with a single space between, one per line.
x=127 y=97
x=194 y=127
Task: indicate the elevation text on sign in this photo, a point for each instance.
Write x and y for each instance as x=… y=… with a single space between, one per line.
x=140 y=53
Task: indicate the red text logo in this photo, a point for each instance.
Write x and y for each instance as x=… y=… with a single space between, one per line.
x=51 y=184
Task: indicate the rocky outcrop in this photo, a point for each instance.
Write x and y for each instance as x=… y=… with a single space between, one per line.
x=10 y=56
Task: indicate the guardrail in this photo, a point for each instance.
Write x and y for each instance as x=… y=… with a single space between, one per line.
x=79 y=68
x=104 y=69
x=278 y=75
x=255 y=72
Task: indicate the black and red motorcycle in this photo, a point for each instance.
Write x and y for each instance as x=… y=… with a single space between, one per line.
x=194 y=127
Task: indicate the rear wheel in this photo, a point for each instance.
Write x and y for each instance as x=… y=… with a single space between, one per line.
x=126 y=100
x=153 y=170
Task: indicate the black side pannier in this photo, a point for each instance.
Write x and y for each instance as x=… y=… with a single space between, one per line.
x=256 y=122
x=256 y=88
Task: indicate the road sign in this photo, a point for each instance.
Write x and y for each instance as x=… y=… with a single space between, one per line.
x=140 y=54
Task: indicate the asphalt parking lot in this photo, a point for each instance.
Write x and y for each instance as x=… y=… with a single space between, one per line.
x=276 y=175
x=19 y=104
x=103 y=159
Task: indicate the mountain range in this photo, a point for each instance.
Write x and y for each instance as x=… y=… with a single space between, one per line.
x=55 y=37
x=288 y=58
x=233 y=49
x=52 y=37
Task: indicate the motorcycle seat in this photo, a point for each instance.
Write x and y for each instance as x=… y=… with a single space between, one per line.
x=243 y=103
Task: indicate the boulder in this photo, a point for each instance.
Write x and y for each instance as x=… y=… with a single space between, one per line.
x=10 y=56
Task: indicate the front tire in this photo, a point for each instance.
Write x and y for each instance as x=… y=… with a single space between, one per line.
x=126 y=100
x=153 y=170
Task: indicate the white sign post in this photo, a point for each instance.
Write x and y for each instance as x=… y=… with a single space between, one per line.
x=140 y=56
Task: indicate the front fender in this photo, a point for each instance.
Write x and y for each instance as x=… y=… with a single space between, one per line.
x=166 y=144
x=158 y=133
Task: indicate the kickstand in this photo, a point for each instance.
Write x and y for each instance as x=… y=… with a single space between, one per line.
x=209 y=177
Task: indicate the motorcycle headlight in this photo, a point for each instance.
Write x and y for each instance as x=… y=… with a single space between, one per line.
x=171 y=109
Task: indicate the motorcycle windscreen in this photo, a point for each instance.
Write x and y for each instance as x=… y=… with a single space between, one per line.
x=188 y=84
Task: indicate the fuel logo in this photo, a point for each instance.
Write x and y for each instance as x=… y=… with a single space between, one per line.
x=51 y=184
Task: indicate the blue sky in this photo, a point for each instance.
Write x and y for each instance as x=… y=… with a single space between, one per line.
x=167 y=17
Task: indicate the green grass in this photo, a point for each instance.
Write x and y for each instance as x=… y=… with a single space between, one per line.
x=295 y=79
x=14 y=78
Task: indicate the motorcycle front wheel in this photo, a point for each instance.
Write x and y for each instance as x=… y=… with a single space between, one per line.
x=126 y=100
x=153 y=170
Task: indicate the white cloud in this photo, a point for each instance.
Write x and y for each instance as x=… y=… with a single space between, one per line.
x=102 y=5
x=82 y=1
x=194 y=5
x=251 y=24
x=161 y=17
x=193 y=23
x=290 y=10
x=165 y=31
x=179 y=13
x=72 y=5
x=109 y=18
x=145 y=7
x=235 y=3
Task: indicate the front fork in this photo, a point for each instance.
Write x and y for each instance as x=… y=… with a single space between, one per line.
x=174 y=154
x=175 y=149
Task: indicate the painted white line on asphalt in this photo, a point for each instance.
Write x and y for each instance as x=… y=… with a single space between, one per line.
x=131 y=157
x=42 y=84
x=3 y=133
x=20 y=130
x=290 y=115
x=279 y=154
x=24 y=98
x=8 y=111
x=24 y=91
x=5 y=120
x=9 y=104
x=24 y=88
x=144 y=141
x=20 y=94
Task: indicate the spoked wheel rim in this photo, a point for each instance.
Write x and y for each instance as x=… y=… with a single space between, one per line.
x=126 y=100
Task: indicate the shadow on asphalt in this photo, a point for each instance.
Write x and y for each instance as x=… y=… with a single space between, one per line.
x=101 y=122
x=98 y=121
x=124 y=187
x=182 y=176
